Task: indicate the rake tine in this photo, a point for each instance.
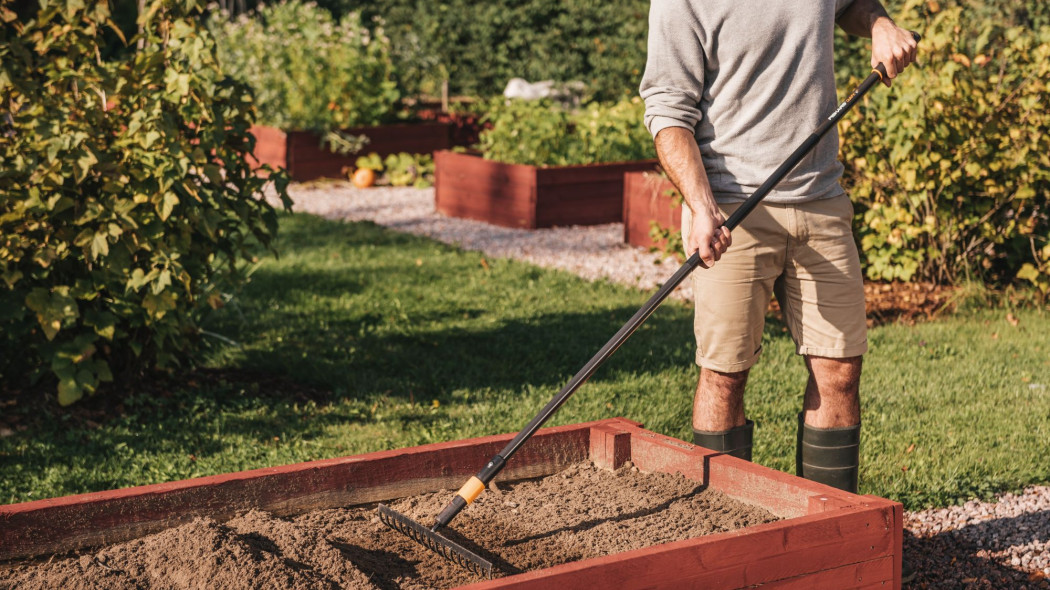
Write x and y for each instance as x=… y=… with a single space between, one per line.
x=443 y=546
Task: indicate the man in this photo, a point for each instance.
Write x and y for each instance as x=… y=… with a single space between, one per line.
x=731 y=88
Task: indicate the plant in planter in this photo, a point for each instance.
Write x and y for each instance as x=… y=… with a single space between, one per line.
x=540 y=133
x=324 y=89
x=542 y=165
x=401 y=169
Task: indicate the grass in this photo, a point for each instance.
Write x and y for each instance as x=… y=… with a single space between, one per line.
x=360 y=339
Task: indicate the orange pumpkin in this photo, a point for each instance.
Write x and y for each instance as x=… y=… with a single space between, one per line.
x=363 y=177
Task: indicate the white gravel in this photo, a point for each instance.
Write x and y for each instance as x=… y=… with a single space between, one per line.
x=1001 y=544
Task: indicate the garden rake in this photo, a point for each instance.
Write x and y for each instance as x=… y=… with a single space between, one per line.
x=431 y=537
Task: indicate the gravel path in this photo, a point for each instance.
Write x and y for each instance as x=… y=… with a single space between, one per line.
x=1000 y=544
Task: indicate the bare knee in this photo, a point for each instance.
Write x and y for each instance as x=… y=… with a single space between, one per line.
x=833 y=392
x=835 y=376
x=724 y=383
x=719 y=401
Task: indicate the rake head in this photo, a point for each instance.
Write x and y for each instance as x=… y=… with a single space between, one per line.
x=437 y=543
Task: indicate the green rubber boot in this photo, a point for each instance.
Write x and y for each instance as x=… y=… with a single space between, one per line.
x=735 y=441
x=830 y=456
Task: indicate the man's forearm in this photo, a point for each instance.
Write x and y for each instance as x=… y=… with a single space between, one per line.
x=861 y=16
x=680 y=157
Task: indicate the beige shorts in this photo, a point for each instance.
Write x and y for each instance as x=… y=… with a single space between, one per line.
x=805 y=254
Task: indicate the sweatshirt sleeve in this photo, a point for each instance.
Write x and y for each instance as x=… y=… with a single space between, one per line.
x=673 y=81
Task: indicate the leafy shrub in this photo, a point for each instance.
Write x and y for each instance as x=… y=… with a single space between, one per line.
x=479 y=46
x=307 y=71
x=543 y=134
x=126 y=203
x=952 y=166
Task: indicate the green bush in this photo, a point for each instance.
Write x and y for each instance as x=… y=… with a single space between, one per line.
x=480 y=46
x=307 y=71
x=951 y=168
x=541 y=133
x=126 y=203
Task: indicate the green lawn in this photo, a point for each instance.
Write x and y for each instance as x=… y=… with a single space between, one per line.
x=360 y=339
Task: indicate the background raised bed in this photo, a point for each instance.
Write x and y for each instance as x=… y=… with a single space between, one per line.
x=829 y=538
x=301 y=152
x=530 y=197
x=646 y=199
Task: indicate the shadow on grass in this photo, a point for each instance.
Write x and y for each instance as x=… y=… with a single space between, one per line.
x=406 y=338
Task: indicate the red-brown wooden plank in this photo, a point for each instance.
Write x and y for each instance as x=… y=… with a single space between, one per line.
x=494 y=192
x=782 y=494
x=301 y=152
x=590 y=204
x=467 y=165
x=867 y=574
x=737 y=559
x=270 y=146
x=610 y=446
x=492 y=188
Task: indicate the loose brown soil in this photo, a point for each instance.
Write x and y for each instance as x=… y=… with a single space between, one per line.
x=580 y=513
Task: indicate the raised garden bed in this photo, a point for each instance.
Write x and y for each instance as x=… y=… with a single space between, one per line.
x=824 y=538
x=530 y=197
x=301 y=152
x=645 y=200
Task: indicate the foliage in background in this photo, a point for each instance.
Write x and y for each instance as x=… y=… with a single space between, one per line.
x=541 y=133
x=126 y=204
x=951 y=168
x=479 y=46
x=307 y=71
x=401 y=169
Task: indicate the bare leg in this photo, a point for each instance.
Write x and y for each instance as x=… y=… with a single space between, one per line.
x=719 y=401
x=832 y=394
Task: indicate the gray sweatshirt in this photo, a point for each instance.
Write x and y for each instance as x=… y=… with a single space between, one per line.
x=752 y=79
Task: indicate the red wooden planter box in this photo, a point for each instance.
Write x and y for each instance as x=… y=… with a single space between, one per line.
x=301 y=152
x=530 y=197
x=828 y=538
x=645 y=200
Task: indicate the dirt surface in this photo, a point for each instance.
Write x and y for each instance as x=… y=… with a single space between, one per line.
x=580 y=513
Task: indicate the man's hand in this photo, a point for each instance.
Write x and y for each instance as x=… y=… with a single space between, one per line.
x=893 y=47
x=708 y=236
